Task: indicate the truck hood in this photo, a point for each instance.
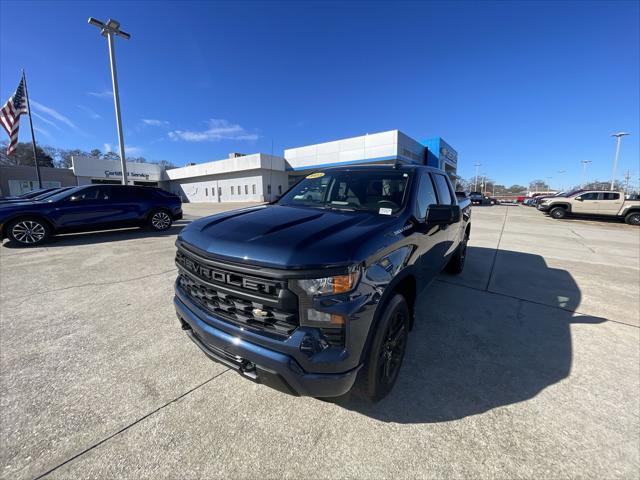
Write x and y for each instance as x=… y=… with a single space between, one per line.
x=289 y=237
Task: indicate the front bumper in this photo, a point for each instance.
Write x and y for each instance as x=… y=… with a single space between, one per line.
x=256 y=362
x=543 y=208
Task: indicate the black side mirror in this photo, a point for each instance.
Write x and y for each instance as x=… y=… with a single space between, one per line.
x=442 y=214
x=455 y=213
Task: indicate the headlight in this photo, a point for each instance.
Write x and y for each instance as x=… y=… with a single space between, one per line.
x=331 y=285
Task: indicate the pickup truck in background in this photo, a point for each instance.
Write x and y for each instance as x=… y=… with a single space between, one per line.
x=315 y=293
x=593 y=203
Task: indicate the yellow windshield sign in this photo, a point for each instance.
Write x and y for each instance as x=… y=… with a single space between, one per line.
x=316 y=175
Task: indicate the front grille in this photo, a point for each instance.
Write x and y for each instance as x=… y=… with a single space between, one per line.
x=262 y=305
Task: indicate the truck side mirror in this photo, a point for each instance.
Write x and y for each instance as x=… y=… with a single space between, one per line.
x=579 y=199
x=455 y=213
x=442 y=214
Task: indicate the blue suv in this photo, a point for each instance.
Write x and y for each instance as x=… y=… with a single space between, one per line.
x=92 y=207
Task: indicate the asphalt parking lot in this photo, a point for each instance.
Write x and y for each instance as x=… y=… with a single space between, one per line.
x=527 y=365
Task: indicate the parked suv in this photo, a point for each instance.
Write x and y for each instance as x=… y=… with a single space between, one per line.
x=313 y=294
x=594 y=203
x=92 y=207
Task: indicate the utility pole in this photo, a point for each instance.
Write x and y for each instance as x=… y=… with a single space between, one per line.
x=585 y=164
x=109 y=29
x=475 y=184
x=627 y=177
x=561 y=172
x=618 y=136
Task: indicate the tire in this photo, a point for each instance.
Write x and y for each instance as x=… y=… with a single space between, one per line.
x=456 y=262
x=632 y=218
x=558 y=212
x=384 y=358
x=160 y=220
x=28 y=231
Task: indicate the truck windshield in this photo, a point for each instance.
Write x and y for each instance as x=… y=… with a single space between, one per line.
x=380 y=192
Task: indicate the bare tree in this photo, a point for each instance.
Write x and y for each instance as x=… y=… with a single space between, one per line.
x=23 y=155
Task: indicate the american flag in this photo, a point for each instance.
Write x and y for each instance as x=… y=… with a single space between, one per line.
x=10 y=115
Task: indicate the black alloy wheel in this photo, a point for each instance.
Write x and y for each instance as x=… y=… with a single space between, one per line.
x=393 y=348
x=384 y=357
x=456 y=263
x=558 y=213
x=633 y=218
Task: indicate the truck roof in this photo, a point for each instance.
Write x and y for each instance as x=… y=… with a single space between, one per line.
x=384 y=166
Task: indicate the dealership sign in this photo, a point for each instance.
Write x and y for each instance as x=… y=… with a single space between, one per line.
x=448 y=154
x=109 y=173
x=91 y=167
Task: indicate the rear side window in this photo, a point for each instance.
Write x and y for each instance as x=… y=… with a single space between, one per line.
x=442 y=187
x=138 y=194
x=426 y=195
x=589 y=196
x=611 y=196
x=88 y=194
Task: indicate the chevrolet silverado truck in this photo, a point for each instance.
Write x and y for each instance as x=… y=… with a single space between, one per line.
x=315 y=294
x=593 y=203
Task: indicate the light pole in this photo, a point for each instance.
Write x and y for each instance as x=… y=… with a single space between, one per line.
x=475 y=184
x=549 y=182
x=109 y=29
x=618 y=136
x=561 y=172
x=585 y=164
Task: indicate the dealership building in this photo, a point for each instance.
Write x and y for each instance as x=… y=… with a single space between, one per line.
x=255 y=177
x=260 y=177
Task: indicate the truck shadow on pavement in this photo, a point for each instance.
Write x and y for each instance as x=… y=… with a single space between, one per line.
x=475 y=348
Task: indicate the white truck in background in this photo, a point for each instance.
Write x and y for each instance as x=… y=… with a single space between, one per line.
x=593 y=203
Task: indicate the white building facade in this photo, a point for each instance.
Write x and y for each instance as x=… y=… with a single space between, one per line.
x=383 y=147
x=260 y=177
x=248 y=178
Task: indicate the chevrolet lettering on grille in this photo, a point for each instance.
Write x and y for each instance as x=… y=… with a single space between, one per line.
x=219 y=276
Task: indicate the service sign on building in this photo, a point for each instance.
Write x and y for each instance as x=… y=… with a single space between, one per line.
x=90 y=170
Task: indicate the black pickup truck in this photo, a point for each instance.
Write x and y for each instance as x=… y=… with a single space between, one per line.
x=315 y=293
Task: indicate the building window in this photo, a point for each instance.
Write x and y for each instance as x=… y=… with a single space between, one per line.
x=269 y=189
x=239 y=190
x=253 y=189
x=279 y=189
x=206 y=191
x=231 y=189
x=246 y=189
x=219 y=191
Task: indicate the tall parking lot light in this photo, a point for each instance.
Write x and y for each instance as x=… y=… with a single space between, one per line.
x=585 y=164
x=618 y=136
x=109 y=29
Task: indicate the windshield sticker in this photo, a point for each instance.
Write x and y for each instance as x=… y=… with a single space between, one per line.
x=316 y=175
x=385 y=211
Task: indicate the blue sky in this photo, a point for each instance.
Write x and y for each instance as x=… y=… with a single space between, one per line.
x=526 y=89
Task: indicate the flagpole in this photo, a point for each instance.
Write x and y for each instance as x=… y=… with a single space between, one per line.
x=33 y=137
